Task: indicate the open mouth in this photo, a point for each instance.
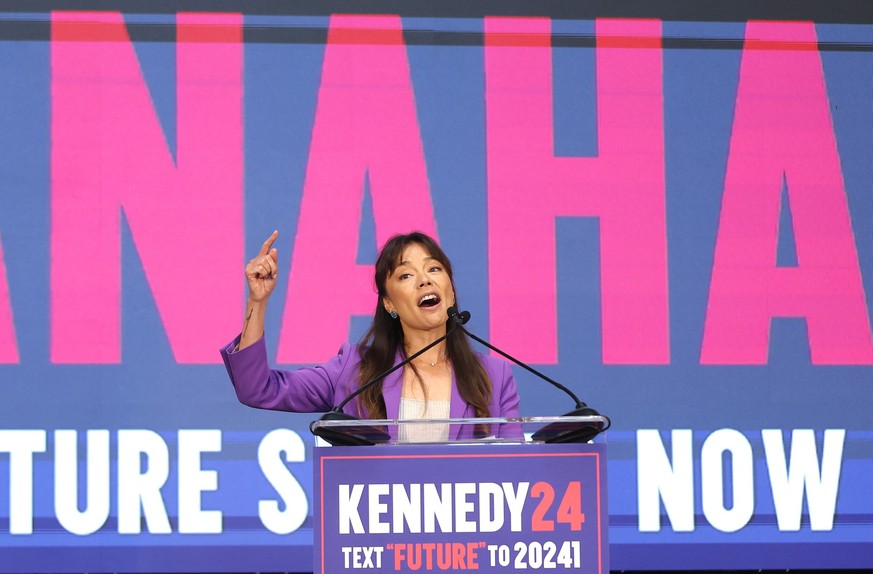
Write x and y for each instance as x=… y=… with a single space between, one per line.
x=429 y=300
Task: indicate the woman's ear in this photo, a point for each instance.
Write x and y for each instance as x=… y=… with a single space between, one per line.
x=386 y=304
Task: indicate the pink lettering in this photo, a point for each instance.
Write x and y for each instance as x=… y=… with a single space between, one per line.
x=782 y=129
x=109 y=155
x=624 y=187
x=8 y=343
x=365 y=126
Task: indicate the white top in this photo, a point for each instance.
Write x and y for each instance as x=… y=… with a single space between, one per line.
x=411 y=409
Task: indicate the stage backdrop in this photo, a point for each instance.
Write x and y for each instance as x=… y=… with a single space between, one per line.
x=669 y=210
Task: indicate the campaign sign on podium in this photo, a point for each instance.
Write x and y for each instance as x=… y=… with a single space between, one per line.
x=494 y=506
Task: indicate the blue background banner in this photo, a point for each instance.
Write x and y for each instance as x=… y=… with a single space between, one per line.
x=667 y=210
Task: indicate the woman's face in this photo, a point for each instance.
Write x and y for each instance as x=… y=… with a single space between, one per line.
x=419 y=290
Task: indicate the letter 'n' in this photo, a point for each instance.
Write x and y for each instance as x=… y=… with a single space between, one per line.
x=109 y=156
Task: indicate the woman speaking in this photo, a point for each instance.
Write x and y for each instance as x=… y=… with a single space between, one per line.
x=415 y=288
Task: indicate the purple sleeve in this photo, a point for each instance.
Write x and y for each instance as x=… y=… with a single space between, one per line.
x=308 y=389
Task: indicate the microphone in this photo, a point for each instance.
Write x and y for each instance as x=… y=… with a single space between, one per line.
x=557 y=432
x=365 y=435
x=459 y=319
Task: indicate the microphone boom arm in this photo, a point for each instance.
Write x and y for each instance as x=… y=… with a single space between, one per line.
x=579 y=403
x=364 y=434
x=409 y=359
x=554 y=432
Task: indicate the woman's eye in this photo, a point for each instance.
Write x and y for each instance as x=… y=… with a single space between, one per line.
x=436 y=268
x=405 y=276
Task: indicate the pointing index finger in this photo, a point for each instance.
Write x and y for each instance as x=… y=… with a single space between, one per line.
x=265 y=248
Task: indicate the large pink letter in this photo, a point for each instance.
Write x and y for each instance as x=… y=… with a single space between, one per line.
x=624 y=186
x=365 y=124
x=110 y=155
x=8 y=343
x=783 y=132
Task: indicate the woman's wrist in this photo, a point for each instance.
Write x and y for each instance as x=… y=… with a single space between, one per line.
x=256 y=304
x=253 y=322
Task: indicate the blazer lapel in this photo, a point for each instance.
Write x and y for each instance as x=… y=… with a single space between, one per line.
x=391 y=387
x=458 y=409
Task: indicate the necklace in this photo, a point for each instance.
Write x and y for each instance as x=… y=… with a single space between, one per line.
x=433 y=364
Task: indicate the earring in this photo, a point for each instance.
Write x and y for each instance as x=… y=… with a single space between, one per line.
x=393 y=314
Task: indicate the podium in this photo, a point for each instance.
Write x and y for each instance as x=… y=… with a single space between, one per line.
x=452 y=495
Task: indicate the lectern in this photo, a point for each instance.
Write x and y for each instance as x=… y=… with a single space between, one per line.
x=453 y=495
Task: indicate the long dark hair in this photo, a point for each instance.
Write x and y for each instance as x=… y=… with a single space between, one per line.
x=384 y=338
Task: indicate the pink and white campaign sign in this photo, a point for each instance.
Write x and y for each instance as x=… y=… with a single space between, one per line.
x=663 y=205
x=453 y=508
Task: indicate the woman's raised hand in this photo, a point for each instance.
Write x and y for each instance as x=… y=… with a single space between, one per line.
x=263 y=271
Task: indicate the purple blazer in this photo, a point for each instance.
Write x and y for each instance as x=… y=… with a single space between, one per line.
x=320 y=388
